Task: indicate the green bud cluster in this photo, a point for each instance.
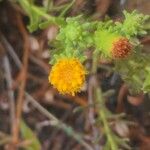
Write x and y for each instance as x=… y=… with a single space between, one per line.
x=133 y=24
x=75 y=35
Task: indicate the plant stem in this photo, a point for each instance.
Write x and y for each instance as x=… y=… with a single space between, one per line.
x=49 y=5
x=101 y=111
x=94 y=64
x=42 y=13
x=103 y=117
x=66 y=9
x=91 y=110
x=57 y=123
x=36 y=9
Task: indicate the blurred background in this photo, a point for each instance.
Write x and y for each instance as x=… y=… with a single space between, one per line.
x=24 y=69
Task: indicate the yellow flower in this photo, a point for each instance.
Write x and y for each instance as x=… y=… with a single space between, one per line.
x=67 y=75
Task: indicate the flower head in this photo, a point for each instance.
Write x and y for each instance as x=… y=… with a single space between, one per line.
x=121 y=48
x=67 y=75
x=112 y=45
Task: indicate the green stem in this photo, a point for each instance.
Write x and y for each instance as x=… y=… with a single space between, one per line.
x=66 y=9
x=94 y=64
x=42 y=13
x=58 y=8
x=103 y=117
x=59 y=124
x=101 y=112
x=26 y=5
x=49 y=5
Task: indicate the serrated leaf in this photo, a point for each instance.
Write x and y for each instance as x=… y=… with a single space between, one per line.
x=31 y=10
x=28 y=135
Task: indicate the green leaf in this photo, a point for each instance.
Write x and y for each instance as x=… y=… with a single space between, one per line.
x=34 y=12
x=28 y=135
x=57 y=21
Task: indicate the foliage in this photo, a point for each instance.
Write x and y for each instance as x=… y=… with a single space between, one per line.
x=115 y=41
x=28 y=135
x=135 y=72
x=132 y=25
x=102 y=36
